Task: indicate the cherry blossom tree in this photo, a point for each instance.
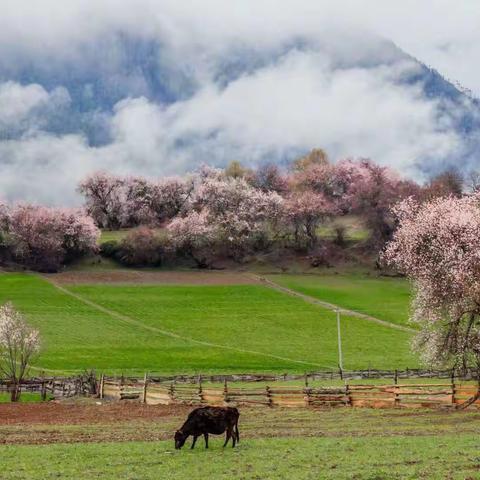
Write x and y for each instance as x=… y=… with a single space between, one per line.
x=269 y=178
x=170 y=197
x=44 y=238
x=313 y=172
x=153 y=202
x=19 y=343
x=238 y=211
x=305 y=211
x=195 y=236
x=105 y=199
x=437 y=245
x=370 y=190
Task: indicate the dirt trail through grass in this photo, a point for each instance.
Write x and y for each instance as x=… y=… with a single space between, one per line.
x=167 y=333
x=329 y=306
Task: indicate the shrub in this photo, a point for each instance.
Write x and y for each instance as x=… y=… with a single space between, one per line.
x=109 y=249
x=141 y=247
x=45 y=238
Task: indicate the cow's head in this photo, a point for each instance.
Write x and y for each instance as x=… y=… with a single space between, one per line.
x=180 y=439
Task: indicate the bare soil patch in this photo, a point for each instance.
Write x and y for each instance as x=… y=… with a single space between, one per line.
x=152 y=277
x=58 y=413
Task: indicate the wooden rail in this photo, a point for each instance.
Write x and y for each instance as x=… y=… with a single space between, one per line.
x=428 y=395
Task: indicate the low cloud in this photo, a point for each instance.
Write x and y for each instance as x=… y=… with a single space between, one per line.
x=237 y=86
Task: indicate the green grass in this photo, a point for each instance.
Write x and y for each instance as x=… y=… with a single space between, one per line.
x=113 y=235
x=118 y=235
x=382 y=297
x=255 y=325
x=25 y=397
x=453 y=457
x=355 y=230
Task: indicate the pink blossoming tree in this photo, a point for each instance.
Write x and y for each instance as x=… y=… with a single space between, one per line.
x=104 y=199
x=44 y=238
x=195 y=236
x=305 y=211
x=437 y=245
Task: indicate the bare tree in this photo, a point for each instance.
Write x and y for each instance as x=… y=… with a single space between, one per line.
x=473 y=181
x=18 y=344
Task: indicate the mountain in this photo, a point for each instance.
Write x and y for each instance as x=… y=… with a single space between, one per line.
x=138 y=104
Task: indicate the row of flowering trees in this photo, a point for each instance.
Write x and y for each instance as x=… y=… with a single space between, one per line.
x=44 y=238
x=213 y=212
x=237 y=209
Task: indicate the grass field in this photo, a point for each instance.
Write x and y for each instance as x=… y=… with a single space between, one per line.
x=382 y=297
x=25 y=397
x=173 y=329
x=275 y=444
x=452 y=457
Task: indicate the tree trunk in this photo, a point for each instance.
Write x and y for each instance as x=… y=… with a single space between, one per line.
x=14 y=392
x=473 y=399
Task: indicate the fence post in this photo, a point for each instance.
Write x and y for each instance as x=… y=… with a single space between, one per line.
x=453 y=386
x=306 y=379
x=307 y=396
x=102 y=385
x=396 y=377
x=268 y=394
x=348 y=396
x=200 y=390
x=43 y=388
x=225 y=390
x=396 y=398
x=172 y=391
x=145 y=383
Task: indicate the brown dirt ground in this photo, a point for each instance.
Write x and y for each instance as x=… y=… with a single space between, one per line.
x=56 y=413
x=86 y=421
x=152 y=277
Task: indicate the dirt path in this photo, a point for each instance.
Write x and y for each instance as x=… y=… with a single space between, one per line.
x=329 y=306
x=147 y=277
x=167 y=333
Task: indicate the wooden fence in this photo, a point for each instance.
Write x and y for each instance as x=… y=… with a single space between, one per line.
x=57 y=387
x=376 y=396
x=339 y=374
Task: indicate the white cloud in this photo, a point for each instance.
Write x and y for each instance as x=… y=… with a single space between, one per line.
x=17 y=101
x=438 y=32
x=324 y=96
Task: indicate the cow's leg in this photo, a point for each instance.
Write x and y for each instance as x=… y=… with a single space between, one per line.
x=206 y=439
x=194 y=441
x=228 y=434
x=234 y=437
x=237 y=433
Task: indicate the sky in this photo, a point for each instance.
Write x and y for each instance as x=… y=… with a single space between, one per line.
x=341 y=92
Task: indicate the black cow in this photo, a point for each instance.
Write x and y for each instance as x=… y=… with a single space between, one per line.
x=205 y=420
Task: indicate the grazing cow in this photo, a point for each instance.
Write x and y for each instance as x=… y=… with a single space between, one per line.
x=205 y=420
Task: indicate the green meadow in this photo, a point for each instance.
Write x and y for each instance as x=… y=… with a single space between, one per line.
x=386 y=298
x=361 y=458
x=191 y=329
